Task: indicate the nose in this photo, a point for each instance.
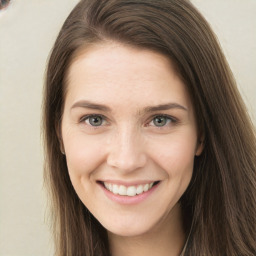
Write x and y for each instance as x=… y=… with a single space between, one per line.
x=127 y=151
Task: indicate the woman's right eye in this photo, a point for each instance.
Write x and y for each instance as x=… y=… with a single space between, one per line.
x=94 y=120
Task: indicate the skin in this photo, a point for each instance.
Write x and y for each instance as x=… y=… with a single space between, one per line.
x=128 y=147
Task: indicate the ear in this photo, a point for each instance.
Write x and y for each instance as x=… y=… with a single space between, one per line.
x=200 y=146
x=59 y=135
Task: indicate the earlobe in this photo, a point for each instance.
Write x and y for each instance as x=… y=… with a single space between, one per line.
x=62 y=150
x=199 y=148
x=59 y=135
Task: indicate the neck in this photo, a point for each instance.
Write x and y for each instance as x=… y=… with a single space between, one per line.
x=167 y=238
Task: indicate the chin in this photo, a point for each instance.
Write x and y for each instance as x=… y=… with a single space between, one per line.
x=131 y=226
x=129 y=231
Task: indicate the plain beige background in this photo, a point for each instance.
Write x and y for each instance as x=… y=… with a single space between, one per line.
x=27 y=32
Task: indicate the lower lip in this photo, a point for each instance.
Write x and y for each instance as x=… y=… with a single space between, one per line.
x=129 y=199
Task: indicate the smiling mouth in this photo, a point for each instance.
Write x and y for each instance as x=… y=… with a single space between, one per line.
x=128 y=190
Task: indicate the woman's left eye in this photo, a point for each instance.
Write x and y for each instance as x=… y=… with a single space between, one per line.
x=161 y=121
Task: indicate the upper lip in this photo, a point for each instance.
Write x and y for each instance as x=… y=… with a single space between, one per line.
x=128 y=183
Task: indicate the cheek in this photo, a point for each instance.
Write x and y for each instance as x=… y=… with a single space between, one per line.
x=83 y=153
x=175 y=155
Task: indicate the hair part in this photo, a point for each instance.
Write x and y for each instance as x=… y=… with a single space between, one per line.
x=219 y=204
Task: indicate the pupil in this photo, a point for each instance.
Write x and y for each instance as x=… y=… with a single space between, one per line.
x=95 y=121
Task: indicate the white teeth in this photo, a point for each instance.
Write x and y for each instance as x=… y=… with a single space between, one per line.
x=115 y=189
x=131 y=191
x=139 y=189
x=122 y=190
x=146 y=187
x=128 y=191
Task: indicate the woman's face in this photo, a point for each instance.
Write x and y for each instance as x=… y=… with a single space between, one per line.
x=129 y=135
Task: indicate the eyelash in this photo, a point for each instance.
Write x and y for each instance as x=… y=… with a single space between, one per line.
x=171 y=119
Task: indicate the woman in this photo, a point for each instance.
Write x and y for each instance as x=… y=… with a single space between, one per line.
x=149 y=148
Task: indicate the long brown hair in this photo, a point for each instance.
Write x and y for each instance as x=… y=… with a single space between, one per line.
x=219 y=204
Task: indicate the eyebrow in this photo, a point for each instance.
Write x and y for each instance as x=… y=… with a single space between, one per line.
x=164 y=107
x=96 y=106
x=90 y=105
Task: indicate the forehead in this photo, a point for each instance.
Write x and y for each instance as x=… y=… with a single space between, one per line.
x=103 y=56
x=129 y=74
